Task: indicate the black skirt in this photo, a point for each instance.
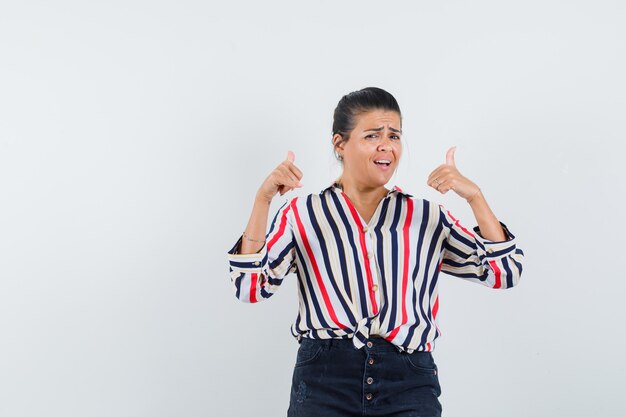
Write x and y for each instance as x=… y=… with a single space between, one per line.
x=333 y=378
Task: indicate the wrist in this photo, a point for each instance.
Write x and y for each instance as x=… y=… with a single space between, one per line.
x=260 y=200
x=475 y=197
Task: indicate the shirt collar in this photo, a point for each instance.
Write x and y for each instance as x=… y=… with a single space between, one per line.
x=394 y=189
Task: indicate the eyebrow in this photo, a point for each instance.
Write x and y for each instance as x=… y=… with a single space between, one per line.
x=382 y=127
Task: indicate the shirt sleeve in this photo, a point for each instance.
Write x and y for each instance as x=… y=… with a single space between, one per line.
x=470 y=256
x=257 y=276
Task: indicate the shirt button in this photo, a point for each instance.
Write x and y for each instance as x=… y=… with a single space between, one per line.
x=375 y=287
x=370 y=344
x=257 y=263
x=370 y=361
x=489 y=250
x=370 y=380
x=370 y=254
x=364 y=228
x=369 y=396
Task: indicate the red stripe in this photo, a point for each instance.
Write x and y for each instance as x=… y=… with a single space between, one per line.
x=405 y=266
x=318 y=275
x=496 y=272
x=255 y=277
x=428 y=349
x=281 y=228
x=456 y=222
x=368 y=270
x=435 y=310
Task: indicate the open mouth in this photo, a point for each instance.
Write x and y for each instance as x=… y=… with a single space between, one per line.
x=383 y=163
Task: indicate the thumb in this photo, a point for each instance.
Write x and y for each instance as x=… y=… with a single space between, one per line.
x=450 y=156
x=291 y=156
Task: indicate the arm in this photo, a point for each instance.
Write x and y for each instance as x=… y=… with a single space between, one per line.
x=257 y=266
x=487 y=221
x=494 y=263
x=258 y=275
x=489 y=255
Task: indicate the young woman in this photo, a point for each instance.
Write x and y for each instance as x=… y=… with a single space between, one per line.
x=367 y=259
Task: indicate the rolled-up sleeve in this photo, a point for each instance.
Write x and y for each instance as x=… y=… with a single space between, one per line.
x=470 y=256
x=257 y=276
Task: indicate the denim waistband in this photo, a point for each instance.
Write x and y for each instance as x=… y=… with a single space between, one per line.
x=378 y=344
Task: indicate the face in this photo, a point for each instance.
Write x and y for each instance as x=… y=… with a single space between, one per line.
x=375 y=137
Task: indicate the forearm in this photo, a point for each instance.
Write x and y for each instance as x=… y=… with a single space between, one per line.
x=256 y=227
x=487 y=222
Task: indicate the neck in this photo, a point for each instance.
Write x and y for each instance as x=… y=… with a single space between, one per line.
x=361 y=193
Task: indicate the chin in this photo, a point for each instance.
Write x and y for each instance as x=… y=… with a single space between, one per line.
x=380 y=182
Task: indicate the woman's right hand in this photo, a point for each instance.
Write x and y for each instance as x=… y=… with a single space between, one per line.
x=285 y=177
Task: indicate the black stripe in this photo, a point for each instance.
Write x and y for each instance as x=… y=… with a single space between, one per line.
x=422 y=233
x=395 y=286
x=382 y=287
x=326 y=259
x=359 y=271
x=306 y=279
x=340 y=250
x=273 y=223
x=281 y=256
x=509 y=273
x=431 y=256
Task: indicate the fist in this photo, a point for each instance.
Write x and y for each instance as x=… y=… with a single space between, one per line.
x=285 y=177
x=447 y=177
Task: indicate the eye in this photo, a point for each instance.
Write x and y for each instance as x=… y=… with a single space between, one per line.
x=395 y=137
x=371 y=136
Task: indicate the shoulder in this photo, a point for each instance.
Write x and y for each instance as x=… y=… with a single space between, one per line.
x=422 y=202
x=287 y=204
x=424 y=210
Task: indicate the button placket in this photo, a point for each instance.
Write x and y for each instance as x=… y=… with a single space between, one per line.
x=369 y=243
x=369 y=376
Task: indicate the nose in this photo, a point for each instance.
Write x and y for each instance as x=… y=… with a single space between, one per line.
x=385 y=145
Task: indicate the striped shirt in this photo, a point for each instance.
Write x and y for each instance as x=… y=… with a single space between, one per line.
x=358 y=279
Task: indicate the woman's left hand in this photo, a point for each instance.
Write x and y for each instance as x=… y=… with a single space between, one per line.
x=447 y=177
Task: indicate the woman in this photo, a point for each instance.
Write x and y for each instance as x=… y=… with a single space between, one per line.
x=367 y=260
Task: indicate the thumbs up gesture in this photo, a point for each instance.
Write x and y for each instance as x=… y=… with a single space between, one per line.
x=285 y=177
x=447 y=177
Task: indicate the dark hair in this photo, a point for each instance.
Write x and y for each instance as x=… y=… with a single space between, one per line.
x=356 y=102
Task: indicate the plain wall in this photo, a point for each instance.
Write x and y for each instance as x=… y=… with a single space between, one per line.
x=134 y=135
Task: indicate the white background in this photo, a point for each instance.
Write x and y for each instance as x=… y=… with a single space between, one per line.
x=134 y=135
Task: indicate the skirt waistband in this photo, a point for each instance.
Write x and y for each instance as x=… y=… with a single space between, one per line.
x=374 y=343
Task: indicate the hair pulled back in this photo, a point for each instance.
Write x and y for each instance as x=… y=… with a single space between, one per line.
x=357 y=102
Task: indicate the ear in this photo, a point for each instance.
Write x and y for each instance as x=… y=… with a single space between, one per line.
x=338 y=141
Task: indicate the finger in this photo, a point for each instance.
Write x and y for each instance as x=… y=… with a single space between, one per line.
x=441 y=182
x=450 y=156
x=294 y=169
x=288 y=183
x=289 y=177
x=435 y=172
x=285 y=189
x=291 y=156
x=438 y=173
x=446 y=186
x=443 y=186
